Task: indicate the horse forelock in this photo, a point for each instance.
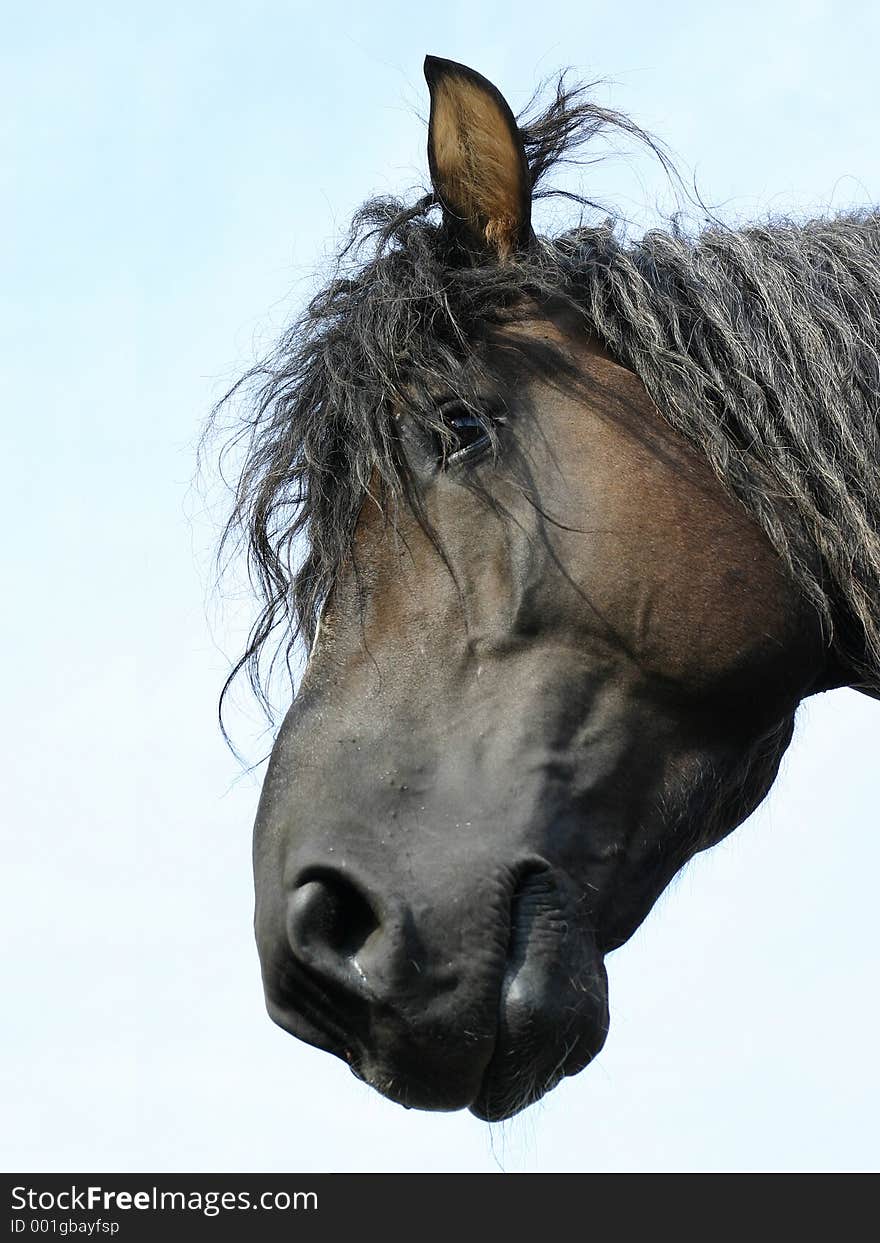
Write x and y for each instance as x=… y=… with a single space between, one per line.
x=760 y=345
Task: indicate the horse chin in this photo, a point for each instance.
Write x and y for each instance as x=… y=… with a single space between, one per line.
x=532 y=1055
x=553 y=1007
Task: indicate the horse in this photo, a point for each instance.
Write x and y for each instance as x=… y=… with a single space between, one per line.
x=568 y=527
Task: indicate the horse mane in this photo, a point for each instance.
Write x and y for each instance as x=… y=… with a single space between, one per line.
x=760 y=345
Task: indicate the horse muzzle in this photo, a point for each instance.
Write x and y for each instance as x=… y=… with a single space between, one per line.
x=485 y=1006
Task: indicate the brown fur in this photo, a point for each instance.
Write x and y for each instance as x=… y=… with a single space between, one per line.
x=477 y=164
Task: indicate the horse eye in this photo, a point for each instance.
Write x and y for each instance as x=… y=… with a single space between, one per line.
x=468 y=433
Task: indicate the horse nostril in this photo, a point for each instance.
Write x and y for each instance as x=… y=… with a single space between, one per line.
x=327 y=912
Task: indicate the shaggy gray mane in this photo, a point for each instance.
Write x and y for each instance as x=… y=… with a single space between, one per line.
x=759 y=345
x=762 y=347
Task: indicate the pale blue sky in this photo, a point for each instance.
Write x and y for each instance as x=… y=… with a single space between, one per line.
x=171 y=176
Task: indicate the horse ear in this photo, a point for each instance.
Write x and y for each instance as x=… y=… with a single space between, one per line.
x=477 y=159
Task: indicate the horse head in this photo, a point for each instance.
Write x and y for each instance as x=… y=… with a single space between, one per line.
x=551 y=656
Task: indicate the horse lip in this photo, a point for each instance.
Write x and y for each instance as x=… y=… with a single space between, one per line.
x=535 y=931
x=538 y=932
x=304 y=1028
x=311 y=1019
